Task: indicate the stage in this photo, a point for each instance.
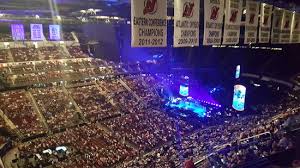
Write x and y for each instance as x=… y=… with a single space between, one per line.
x=189 y=104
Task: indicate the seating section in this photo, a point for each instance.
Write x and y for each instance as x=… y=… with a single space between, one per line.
x=50 y=53
x=76 y=52
x=56 y=106
x=3 y=56
x=140 y=88
x=25 y=54
x=92 y=103
x=18 y=108
x=88 y=146
x=5 y=37
x=119 y=95
x=148 y=129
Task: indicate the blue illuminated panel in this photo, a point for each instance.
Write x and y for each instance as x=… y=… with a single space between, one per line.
x=239 y=95
x=184 y=90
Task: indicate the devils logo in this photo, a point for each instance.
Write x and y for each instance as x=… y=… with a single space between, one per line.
x=287 y=24
x=233 y=16
x=266 y=20
x=296 y=25
x=252 y=17
x=150 y=7
x=214 y=13
x=188 y=10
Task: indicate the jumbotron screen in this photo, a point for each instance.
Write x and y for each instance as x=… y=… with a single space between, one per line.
x=239 y=96
x=237 y=72
x=184 y=90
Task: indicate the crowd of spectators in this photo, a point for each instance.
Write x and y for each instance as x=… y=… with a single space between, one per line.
x=25 y=54
x=92 y=103
x=50 y=53
x=212 y=138
x=3 y=56
x=116 y=92
x=28 y=73
x=5 y=37
x=86 y=146
x=148 y=129
x=76 y=52
x=18 y=108
x=140 y=88
x=56 y=106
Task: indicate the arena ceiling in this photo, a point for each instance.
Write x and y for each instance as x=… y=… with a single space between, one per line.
x=107 y=7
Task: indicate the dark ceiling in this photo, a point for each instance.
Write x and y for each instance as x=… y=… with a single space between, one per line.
x=108 y=7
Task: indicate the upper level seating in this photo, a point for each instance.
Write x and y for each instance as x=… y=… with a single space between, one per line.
x=92 y=103
x=3 y=56
x=25 y=54
x=88 y=146
x=56 y=106
x=5 y=37
x=22 y=68
x=148 y=129
x=76 y=52
x=50 y=53
x=18 y=108
x=22 y=80
x=67 y=36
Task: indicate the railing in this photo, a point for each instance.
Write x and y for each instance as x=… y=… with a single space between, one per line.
x=245 y=141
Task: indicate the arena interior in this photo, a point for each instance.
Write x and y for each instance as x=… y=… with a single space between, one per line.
x=91 y=100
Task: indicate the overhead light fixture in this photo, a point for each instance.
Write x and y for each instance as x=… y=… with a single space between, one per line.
x=58 y=17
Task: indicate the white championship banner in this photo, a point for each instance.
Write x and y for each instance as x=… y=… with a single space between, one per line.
x=233 y=17
x=186 y=23
x=213 y=21
x=285 y=35
x=251 y=23
x=276 y=25
x=295 y=32
x=148 y=23
x=265 y=23
x=37 y=32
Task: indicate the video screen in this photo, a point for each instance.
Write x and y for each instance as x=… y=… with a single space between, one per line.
x=184 y=90
x=239 y=96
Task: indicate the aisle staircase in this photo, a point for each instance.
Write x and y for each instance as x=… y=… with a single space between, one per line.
x=65 y=50
x=37 y=110
x=104 y=93
x=78 y=110
x=11 y=126
x=8 y=122
x=75 y=37
x=128 y=88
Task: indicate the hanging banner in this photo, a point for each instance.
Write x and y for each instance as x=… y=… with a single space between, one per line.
x=265 y=23
x=213 y=21
x=17 y=31
x=285 y=34
x=54 y=32
x=233 y=18
x=148 y=23
x=251 y=23
x=37 y=32
x=277 y=25
x=295 y=32
x=186 y=23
